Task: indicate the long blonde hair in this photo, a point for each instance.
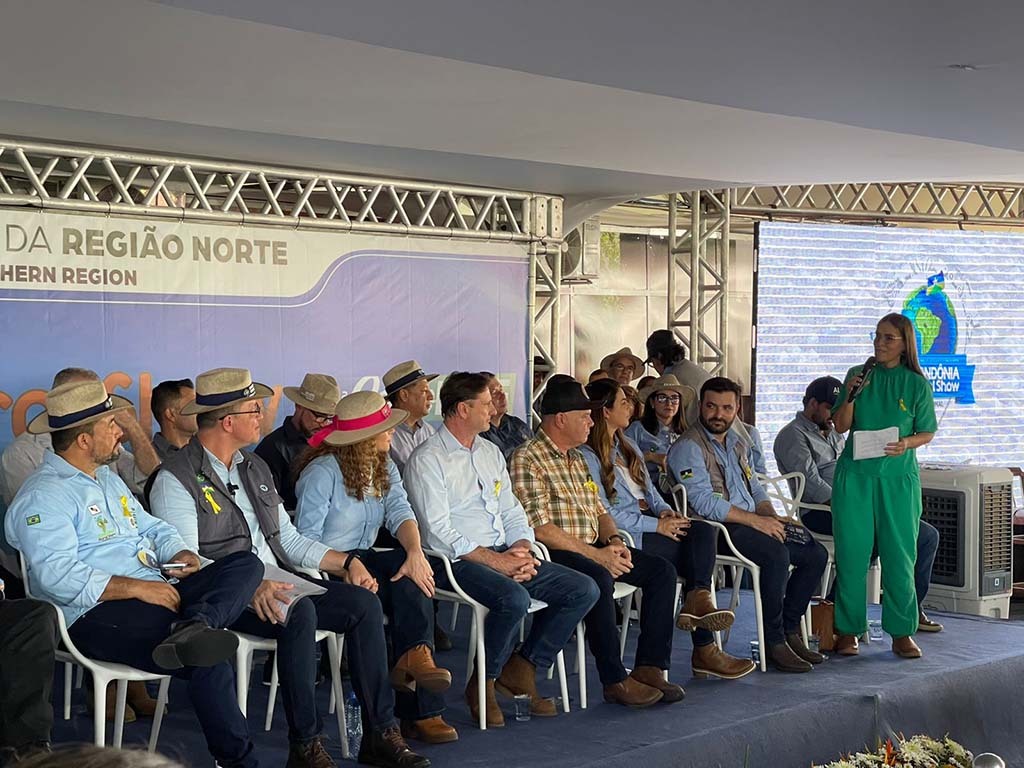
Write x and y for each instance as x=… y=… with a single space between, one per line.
x=906 y=329
x=362 y=466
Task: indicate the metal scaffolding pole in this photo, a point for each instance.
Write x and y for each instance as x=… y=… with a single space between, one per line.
x=700 y=253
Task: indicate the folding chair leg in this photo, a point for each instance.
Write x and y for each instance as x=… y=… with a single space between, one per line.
x=334 y=646
x=68 y=672
x=562 y=682
x=581 y=663
x=158 y=717
x=122 y=694
x=99 y=711
x=272 y=698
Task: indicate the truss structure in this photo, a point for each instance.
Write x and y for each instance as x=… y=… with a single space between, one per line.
x=908 y=202
x=698 y=273
x=111 y=182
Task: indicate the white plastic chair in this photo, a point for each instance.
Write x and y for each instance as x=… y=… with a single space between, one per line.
x=103 y=673
x=477 y=652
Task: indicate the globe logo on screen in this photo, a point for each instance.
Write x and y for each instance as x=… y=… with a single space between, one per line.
x=933 y=316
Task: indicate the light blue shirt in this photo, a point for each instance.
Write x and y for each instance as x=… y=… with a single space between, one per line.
x=463 y=497
x=648 y=443
x=76 y=532
x=327 y=512
x=407 y=439
x=171 y=502
x=626 y=507
x=757 y=460
x=686 y=465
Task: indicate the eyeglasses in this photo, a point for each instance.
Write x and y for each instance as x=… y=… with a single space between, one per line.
x=623 y=367
x=885 y=338
x=257 y=412
x=665 y=399
x=323 y=419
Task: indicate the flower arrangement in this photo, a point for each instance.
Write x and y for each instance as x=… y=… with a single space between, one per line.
x=917 y=752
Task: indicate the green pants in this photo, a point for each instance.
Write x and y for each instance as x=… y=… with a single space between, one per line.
x=867 y=509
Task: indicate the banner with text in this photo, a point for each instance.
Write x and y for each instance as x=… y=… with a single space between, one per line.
x=140 y=301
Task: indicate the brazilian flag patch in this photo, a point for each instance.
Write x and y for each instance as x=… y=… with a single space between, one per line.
x=686 y=474
x=33 y=520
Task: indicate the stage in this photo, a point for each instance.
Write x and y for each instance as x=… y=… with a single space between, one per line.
x=964 y=686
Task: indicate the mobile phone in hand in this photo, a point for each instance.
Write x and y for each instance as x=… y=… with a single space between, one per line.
x=173 y=566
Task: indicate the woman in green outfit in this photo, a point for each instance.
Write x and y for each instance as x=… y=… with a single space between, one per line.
x=877 y=501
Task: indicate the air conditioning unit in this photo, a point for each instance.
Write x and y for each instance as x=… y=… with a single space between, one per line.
x=581 y=252
x=972 y=508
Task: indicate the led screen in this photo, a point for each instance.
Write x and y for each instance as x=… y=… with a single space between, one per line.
x=822 y=288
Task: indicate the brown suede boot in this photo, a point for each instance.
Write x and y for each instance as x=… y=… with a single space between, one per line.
x=905 y=648
x=140 y=700
x=494 y=716
x=711 y=661
x=632 y=693
x=654 y=677
x=847 y=645
x=429 y=730
x=518 y=678
x=416 y=667
x=699 y=612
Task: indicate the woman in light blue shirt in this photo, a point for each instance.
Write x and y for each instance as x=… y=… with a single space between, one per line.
x=348 y=487
x=662 y=422
x=624 y=485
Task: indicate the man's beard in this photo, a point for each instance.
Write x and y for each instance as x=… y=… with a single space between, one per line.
x=101 y=461
x=716 y=426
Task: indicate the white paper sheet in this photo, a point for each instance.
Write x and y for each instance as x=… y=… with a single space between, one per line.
x=870 y=443
x=302 y=587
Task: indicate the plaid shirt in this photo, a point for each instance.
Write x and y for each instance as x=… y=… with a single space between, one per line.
x=554 y=487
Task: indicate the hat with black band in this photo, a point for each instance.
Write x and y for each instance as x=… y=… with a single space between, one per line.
x=404 y=374
x=222 y=387
x=74 y=404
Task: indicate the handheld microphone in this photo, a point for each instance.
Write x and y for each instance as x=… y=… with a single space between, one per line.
x=868 y=365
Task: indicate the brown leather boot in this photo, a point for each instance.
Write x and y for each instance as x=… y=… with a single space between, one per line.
x=416 y=667
x=796 y=644
x=518 y=678
x=429 y=730
x=711 y=661
x=847 y=645
x=905 y=648
x=654 y=677
x=632 y=693
x=699 y=612
x=140 y=700
x=494 y=716
x=781 y=657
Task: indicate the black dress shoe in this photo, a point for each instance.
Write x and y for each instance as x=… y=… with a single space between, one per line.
x=310 y=754
x=388 y=749
x=796 y=644
x=781 y=656
x=195 y=645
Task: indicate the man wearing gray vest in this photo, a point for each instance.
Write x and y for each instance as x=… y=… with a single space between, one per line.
x=223 y=500
x=714 y=463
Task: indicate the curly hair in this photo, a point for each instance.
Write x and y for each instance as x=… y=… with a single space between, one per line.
x=362 y=466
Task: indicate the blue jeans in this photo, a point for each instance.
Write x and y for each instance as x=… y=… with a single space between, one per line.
x=569 y=596
x=820 y=521
x=127 y=631
x=344 y=608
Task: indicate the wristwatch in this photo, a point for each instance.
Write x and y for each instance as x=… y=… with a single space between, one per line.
x=348 y=560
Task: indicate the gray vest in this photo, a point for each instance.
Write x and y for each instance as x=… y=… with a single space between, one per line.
x=222 y=526
x=716 y=471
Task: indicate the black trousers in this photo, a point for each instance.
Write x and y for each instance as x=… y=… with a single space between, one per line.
x=28 y=640
x=784 y=596
x=411 y=622
x=657 y=578
x=694 y=561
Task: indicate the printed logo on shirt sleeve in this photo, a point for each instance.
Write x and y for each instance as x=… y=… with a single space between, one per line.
x=686 y=474
x=33 y=520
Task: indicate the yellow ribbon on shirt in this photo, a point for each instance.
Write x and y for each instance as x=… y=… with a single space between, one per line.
x=497 y=488
x=125 y=508
x=208 y=493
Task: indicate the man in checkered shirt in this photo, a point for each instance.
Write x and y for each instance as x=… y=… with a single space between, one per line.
x=551 y=479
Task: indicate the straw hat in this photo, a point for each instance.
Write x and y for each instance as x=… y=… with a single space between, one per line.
x=318 y=392
x=71 y=405
x=359 y=417
x=668 y=382
x=638 y=364
x=222 y=387
x=404 y=374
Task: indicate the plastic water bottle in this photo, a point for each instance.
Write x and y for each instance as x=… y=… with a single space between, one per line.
x=353 y=723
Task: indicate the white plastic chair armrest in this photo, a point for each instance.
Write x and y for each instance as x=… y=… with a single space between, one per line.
x=728 y=542
x=447 y=563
